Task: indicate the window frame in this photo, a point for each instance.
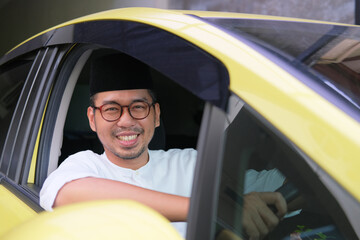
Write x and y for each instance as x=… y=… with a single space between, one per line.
x=205 y=183
x=48 y=143
x=114 y=34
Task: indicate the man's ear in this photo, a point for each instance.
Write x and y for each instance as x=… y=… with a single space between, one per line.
x=157 y=114
x=91 y=117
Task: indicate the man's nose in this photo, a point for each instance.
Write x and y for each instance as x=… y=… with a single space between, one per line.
x=125 y=119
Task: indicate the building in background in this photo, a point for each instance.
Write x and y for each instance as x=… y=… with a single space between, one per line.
x=21 y=19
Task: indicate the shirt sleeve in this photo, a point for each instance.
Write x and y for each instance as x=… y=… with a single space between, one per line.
x=75 y=167
x=263 y=181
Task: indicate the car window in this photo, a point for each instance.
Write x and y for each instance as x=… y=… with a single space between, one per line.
x=12 y=79
x=256 y=158
x=329 y=53
x=71 y=132
x=177 y=105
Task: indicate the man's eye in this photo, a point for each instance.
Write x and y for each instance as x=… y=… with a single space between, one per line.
x=138 y=107
x=111 y=109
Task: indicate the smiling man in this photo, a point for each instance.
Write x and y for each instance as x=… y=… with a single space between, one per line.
x=128 y=128
x=124 y=113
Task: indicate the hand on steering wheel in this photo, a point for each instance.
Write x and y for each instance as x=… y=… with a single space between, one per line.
x=263 y=211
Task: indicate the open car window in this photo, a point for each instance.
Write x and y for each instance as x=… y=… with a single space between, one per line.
x=181 y=112
x=254 y=148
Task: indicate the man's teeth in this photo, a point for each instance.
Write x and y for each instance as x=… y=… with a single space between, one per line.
x=127 y=138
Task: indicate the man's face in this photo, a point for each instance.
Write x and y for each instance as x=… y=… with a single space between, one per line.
x=125 y=138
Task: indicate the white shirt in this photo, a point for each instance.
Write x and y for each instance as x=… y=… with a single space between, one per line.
x=167 y=171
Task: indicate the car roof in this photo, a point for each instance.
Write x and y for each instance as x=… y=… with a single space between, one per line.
x=155 y=15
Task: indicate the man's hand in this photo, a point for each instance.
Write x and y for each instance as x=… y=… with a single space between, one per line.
x=258 y=218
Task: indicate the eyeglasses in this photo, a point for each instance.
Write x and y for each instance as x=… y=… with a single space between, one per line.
x=112 y=111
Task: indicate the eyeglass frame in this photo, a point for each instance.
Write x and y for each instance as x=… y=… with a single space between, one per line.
x=121 y=109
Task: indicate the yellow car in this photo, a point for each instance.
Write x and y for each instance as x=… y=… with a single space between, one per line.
x=247 y=91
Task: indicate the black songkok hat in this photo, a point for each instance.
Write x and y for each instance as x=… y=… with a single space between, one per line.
x=118 y=72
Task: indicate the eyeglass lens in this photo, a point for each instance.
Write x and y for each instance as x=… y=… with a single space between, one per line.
x=113 y=111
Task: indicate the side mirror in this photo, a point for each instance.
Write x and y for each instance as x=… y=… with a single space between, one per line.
x=110 y=219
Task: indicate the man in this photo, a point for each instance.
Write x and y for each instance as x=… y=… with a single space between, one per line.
x=124 y=114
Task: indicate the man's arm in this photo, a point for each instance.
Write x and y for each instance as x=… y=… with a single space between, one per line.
x=174 y=208
x=258 y=219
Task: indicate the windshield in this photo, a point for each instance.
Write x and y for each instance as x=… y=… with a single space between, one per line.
x=329 y=53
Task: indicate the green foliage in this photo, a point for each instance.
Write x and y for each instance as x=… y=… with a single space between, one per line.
x=301 y=229
x=321 y=236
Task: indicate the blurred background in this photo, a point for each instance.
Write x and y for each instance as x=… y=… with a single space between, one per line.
x=21 y=19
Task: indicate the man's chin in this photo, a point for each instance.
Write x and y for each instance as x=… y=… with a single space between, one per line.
x=130 y=155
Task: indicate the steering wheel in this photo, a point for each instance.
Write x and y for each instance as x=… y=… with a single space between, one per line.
x=305 y=218
x=289 y=191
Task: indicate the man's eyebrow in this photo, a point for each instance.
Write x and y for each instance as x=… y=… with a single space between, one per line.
x=109 y=102
x=144 y=99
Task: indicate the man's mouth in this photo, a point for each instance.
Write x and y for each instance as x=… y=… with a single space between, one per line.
x=127 y=138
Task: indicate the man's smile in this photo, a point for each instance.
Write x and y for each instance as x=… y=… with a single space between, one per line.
x=127 y=138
